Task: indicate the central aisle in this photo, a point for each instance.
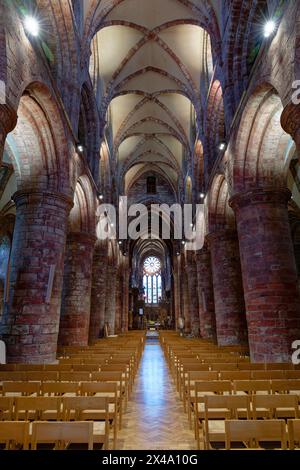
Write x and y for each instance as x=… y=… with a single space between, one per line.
x=155 y=417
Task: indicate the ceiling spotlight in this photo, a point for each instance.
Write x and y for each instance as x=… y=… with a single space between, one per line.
x=31 y=25
x=222 y=146
x=202 y=195
x=269 y=28
x=80 y=148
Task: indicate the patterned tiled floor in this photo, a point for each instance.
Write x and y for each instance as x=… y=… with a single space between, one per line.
x=155 y=417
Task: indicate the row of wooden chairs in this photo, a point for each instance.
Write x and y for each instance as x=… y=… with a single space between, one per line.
x=211 y=412
x=60 y=435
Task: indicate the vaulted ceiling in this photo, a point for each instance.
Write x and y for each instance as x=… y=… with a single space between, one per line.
x=149 y=62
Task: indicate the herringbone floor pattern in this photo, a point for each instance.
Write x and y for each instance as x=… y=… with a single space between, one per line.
x=155 y=418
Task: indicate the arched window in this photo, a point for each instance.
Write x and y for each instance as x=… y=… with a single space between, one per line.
x=152 y=280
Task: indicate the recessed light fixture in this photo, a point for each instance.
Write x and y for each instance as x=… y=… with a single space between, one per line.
x=31 y=25
x=269 y=28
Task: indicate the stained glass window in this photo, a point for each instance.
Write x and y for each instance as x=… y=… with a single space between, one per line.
x=152 y=280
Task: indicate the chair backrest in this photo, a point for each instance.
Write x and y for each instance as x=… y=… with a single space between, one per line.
x=49 y=375
x=215 y=386
x=36 y=406
x=294 y=432
x=6 y=408
x=268 y=374
x=12 y=433
x=235 y=375
x=77 y=405
x=254 y=431
x=223 y=366
x=226 y=406
x=86 y=367
x=60 y=388
x=92 y=388
x=285 y=386
x=61 y=433
x=252 y=386
x=74 y=376
x=21 y=388
x=272 y=403
x=202 y=375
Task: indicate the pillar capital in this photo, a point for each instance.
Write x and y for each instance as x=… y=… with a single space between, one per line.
x=260 y=196
x=33 y=196
x=290 y=119
x=8 y=118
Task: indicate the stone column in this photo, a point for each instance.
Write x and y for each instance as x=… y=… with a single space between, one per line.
x=31 y=320
x=290 y=122
x=176 y=277
x=191 y=270
x=119 y=300
x=8 y=121
x=98 y=294
x=76 y=299
x=269 y=273
x=228 y=288
x=125 y=304
x=110 y=301
x=185 y=302
x=206 y=294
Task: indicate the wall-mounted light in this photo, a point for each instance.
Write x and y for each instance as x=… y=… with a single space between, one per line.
x=80 y=148
x=31 y=25
x=202 y=195
x=120 y=243
x=269 y=28
x=100 y=197
x=222 y=146
x=183 y=242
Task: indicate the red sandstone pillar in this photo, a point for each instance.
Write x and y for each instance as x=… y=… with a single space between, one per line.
x=185 y=303
x=76 y=299
x=119 y=300
x=98 y=291
x=191 y=270
x=176 y=278
x=8 y=121
x=269 y=273
x=228 y=288
x=31 y=320
x=206 y=294
x=125 y=303
x=110 y=301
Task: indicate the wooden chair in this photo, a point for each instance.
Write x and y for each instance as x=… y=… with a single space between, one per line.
x=109 y=390
x=90 y=408
x=14 y=434
x=252 y=432
x=62 y=434
x=6 y=408
x=294 y=433
x=38 y=408
x=74 y=376
x=113 y=377
x=217 y=409
x=235 y=375
x=275 y=406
